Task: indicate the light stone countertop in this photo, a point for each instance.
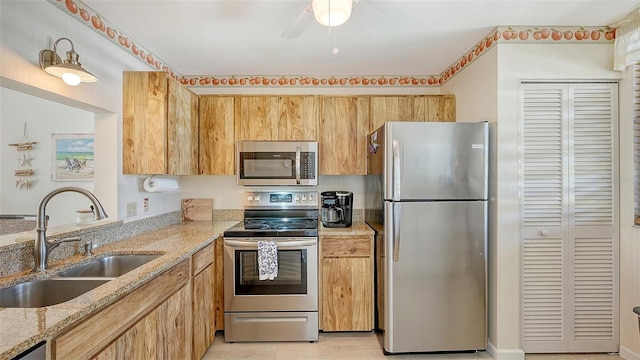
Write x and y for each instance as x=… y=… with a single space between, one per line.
x=357 y=228
x=22 y=328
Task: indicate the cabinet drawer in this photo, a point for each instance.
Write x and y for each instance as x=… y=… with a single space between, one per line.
x=346 y=246
x=202 y=259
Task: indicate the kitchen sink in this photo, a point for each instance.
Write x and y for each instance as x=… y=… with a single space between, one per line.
x=109 y=266
x=71 y=283
x=51 y=291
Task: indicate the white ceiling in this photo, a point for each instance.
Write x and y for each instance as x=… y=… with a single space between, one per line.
x=423 y=37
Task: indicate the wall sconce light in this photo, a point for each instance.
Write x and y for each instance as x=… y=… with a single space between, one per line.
x=69 y=70
x=332 y=12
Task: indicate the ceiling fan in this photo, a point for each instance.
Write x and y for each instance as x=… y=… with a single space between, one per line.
x=332 y=13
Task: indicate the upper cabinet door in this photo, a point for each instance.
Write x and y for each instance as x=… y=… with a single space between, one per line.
x=412 y=108
x=441 y=108
x=298 y=118
x=276 y=118
x=256 y=117
x=216 y=135
x=144 y=117
x=391 y=108
x=160 y=120
x=182 y=130
x=344 y=126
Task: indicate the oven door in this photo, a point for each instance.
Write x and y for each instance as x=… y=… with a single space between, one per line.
x=294 y=289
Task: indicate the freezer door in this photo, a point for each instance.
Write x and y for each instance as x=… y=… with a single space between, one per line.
x=435 y=160
x=435 y=276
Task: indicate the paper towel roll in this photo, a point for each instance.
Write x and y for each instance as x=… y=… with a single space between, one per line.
x=153 y=184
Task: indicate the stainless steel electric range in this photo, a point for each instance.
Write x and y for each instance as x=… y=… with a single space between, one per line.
x=286 y=307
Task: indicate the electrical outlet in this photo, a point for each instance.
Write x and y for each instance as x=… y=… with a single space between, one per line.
x=132 y=209
x=145 y=205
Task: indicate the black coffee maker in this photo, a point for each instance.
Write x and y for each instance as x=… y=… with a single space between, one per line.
x=337 y=208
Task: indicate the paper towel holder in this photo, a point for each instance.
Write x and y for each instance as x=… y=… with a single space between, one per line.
x=157 y=184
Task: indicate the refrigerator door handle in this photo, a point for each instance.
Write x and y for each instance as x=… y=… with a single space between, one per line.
x=396 y=232
x=396 y=171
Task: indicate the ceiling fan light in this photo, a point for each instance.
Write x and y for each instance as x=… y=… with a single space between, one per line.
x=332 y=12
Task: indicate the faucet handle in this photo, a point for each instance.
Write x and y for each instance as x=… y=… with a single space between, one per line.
x=69 y=239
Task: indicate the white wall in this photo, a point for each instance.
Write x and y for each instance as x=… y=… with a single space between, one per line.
x=30 y=26
x=43 y=118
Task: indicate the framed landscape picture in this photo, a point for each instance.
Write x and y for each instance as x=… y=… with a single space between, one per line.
x=72 y=157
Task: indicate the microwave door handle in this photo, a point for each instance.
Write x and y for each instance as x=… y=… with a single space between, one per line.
x=297 y=165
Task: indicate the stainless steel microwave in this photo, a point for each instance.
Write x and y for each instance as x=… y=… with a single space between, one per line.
x=277 y=162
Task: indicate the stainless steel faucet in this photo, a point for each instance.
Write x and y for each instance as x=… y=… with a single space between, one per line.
x=42 y=246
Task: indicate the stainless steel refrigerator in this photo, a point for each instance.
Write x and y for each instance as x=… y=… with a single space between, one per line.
x=426 y=196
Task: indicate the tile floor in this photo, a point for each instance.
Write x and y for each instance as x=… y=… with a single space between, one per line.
x=351 y=346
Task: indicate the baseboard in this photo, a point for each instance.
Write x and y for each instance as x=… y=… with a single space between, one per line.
x=627 y=354
x=506 y=354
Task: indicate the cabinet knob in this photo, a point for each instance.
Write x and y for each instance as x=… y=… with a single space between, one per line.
x=544 y=232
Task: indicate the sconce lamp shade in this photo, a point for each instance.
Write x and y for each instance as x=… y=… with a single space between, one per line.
x=332 y=12
x=70 y=70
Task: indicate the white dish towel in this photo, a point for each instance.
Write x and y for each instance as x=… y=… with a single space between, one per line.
x=267 y=259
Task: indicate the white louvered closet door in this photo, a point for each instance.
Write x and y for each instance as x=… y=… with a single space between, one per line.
x=570 y=225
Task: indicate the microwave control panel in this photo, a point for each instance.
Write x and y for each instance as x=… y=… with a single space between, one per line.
x=281 y=199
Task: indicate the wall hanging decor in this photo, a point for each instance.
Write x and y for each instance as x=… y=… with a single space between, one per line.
x=72 y=157
x=24 y=172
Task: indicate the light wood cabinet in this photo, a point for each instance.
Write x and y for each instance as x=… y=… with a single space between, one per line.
x=169 y=130
x=298 y=118
x=153 y=319
x=276 y=117
x=411 y=108
x=217 y=135
x=346 y=272
x=256 y=118
x=159 y=335
x=344 y=126
x=160 y=125
x=203 y=301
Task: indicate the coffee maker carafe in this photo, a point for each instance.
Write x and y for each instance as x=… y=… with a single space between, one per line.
x=337 y=208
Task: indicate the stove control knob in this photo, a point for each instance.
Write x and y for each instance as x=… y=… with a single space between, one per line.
x=297 y=198
x=257 y=198
x=250 y=198
x=304 y=197
x=310 y=197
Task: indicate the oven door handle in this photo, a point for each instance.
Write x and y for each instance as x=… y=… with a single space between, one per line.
x=281 y=244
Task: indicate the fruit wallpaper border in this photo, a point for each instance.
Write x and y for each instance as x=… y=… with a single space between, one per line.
x=499 y=35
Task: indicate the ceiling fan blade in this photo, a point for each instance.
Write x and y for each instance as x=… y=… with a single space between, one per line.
x=369 y=18
x=299 y=24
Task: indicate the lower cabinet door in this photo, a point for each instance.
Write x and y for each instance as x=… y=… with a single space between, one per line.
x=203 y=311
x=347 y=294
x=162 y=334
